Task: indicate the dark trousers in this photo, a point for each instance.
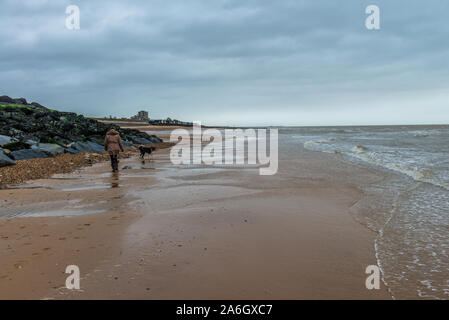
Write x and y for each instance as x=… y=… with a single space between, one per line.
x=114 y=162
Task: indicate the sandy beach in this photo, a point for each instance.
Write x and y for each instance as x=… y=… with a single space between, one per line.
x=224 y=150
x=157 y=231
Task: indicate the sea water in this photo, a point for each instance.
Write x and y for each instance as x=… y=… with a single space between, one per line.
x=408 y=206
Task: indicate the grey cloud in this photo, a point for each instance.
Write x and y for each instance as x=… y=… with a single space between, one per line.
x=301 y=61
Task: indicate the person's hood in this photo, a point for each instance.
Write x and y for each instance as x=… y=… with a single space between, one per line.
x=112 y=132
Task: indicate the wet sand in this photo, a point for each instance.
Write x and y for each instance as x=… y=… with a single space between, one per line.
x=156 y=231
x=155 y=128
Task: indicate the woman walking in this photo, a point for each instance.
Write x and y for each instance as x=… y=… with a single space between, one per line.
x=113 y=145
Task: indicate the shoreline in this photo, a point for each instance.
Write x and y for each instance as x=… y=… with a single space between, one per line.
x=172 y=233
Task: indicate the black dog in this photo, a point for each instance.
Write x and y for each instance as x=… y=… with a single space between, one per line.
x=144 y=150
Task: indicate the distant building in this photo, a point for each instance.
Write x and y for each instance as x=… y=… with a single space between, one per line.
x=141 y=116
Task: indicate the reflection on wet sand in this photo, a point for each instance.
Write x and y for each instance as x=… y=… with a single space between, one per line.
x=115 y=180
x=78 y=193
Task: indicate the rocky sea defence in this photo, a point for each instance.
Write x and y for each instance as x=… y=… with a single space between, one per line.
x=30 y=131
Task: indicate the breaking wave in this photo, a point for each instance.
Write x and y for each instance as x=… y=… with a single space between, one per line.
x=408 y=207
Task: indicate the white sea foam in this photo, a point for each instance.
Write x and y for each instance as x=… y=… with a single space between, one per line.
x=413 y=243
x=359 y=149
x=423 y=174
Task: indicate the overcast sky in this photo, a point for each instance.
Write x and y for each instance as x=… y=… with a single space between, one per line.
x=236 y=62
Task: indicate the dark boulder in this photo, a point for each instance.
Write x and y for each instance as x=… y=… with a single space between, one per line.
x=95 y=146
x=71 y=151
x=97 y=139
x=21 y=101
x=5 y=160
x=27 y=154
x=6 y=99
x=49 y=148
x=155 y=139
x=127 y=143
x=139 y=140
x=32 y=142
x=80 y=146
x=37 y=105
x=88 y=146
x=5 y=140
x=18 y=145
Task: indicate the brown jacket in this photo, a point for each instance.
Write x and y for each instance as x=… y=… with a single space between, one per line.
x=113 y=142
